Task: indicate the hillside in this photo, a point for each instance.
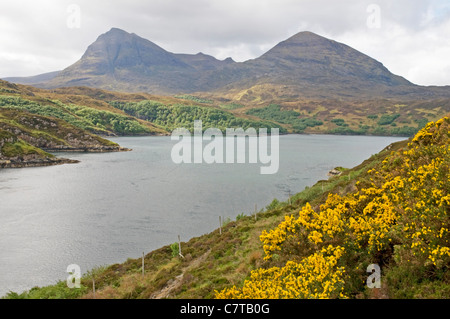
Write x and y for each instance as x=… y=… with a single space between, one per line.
x=26 y=139
x=113 y=113
x=31 y=126
x=71 y=119
x=305 y=66
x=15 y=153
x=391 y=210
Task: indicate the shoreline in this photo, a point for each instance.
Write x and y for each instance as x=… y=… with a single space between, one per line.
x=48 y=161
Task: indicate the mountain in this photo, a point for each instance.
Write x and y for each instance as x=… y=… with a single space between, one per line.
x=122 y=61
x=309 y=61
x=305 y=65
x=30 y=80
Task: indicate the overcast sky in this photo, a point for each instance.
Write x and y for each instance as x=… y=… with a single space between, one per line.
x=410 y=37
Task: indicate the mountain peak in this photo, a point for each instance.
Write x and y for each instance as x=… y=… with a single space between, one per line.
x=114 y=29
x=118 y=48
x=117 y=30
x=307 y=61
x=308 y=39
x=306 y=35
x=116 y=33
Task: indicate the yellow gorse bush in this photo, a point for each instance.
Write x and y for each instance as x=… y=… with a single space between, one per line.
x=404 y=207
x=315 y=277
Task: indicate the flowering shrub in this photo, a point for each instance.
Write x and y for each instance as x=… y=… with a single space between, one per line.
x=401 y=212
x=316 y=276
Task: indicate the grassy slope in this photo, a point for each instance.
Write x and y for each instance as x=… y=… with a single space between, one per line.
x=360 y=116
x=79 y=106
x=50 y=133
x=13 y=147
x=337 y=116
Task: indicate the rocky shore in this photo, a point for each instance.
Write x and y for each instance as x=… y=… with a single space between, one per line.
x=36 y=160
x=18 y=150
x=21 y=163
x=27 y=140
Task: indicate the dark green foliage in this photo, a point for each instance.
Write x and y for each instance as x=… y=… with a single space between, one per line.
x=83 y=117
x=404 y=131
x=339 y=122
x=194 y=99
x=18 y=103
x=380 y=130
x=421 y=123
x=273 y=112
x=177 y=116
x=231 y=106
x=344 y=130
x=387 y=119
x=105 y=120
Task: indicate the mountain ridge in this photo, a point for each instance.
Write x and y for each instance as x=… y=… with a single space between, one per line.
x=308 y=64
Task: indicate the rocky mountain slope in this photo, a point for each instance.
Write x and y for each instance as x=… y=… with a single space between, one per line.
x=305 y=65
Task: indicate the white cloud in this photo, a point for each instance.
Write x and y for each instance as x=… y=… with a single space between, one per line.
x=412 y=41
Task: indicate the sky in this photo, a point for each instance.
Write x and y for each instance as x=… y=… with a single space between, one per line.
x=410 y=37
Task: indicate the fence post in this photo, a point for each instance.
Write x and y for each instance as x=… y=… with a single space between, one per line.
x=179 y=247
x=143 y=265
x=220 y=225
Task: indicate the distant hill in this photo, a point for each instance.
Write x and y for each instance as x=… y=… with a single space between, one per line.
x=305 y=65
x=113 y=113
x=30 y=80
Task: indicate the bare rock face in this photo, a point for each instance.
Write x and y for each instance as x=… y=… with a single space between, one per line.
x=309 y=64
x=334 y=172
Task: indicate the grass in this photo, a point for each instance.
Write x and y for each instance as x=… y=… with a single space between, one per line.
x=90 y=109
x=21 y=148
x=41 y=130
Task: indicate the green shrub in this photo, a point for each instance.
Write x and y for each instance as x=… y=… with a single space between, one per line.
x=175 y=249
x=273 y=112
x=339 y=122
x=86 y=118
x=387 y=119
x=273 y=205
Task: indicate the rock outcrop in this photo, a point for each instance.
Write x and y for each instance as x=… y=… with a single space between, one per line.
x=26 y=139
